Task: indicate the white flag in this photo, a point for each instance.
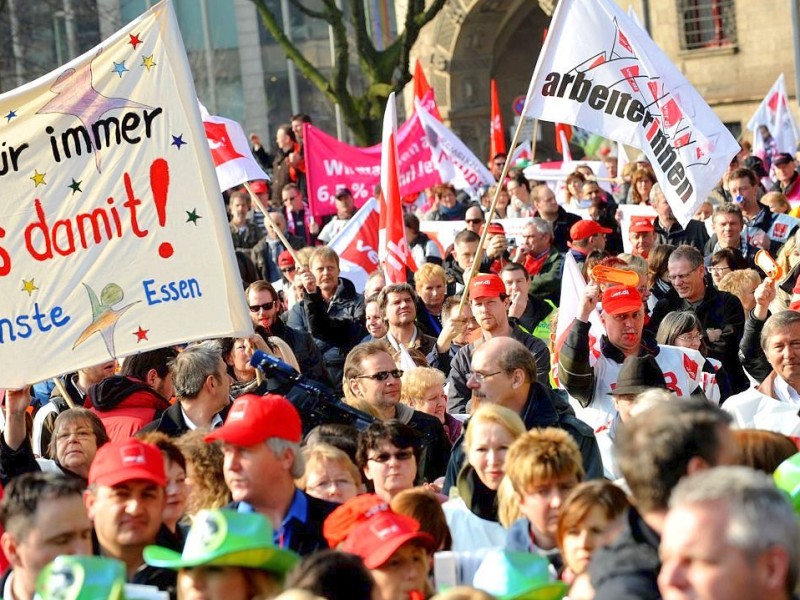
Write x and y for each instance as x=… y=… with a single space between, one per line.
x=611 y=79
x=775 y=114
x=230 y=151
x=456 y=163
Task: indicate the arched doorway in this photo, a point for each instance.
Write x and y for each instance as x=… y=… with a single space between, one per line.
x=471 y=42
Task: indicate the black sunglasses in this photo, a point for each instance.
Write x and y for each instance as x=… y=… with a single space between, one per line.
x=385 y=457
x=382 y=375
x=474 y=221
x=266 y=306
x=288 y=270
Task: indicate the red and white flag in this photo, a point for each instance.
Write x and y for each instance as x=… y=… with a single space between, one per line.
x=357 y=245
x=563 y=138
x=497 y=136
x=523 y=153
x=424 y=92
x=774 y=113
x=613 y=80
x=230 y=151
x=392 y=246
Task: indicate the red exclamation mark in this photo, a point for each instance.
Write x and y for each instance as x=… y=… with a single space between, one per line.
x=159 y=184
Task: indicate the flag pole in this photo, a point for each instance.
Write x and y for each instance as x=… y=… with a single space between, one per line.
x=257 y=201
x=533 y=141
x=479 y=252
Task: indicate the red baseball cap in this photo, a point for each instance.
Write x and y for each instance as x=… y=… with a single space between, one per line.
x=620 y=299
x=381 y=535
x=340 y=523
x=486 y=285
x=285 y=259
x=116 y=462
x=586 y=228
x=259 y=186
x=494 y=229
x=254 y=419
x=641 y=224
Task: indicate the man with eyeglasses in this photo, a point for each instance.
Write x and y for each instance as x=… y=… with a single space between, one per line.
x=503 y=371
x=721 y=314
x=372 y=383
x=474 y=219
x=262 y=458
x=490 y=302
x=496 y=165
x=547 y=208
x=262 y=299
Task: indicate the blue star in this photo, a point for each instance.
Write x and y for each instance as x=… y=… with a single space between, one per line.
x=177 y=141
x=119 y=68
x=11 y=114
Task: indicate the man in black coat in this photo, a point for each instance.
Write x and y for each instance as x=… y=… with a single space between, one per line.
x=261 y=443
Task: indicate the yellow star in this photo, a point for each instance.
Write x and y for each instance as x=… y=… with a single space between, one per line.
x=38 y=178
x=29 y=286
x=148 y=62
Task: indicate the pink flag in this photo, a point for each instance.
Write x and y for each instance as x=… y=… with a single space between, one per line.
x=392 y=246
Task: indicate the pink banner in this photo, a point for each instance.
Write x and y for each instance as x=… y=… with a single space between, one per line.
x=331 y=165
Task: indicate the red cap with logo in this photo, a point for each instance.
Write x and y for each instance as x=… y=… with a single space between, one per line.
x=641 y=224
x=586 y=228
x=382 y=534
x=494 y=229
x=254 y=419
x=259 y=186
x=285 y=259
x=486 y=285
x=341 y=522
x=620 y=299
x=120 y=461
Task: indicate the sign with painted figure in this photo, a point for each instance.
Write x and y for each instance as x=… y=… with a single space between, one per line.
x=113 y=238
x=613 y=80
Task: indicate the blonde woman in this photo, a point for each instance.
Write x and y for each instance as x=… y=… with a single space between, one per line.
x=472 y=517
x=423 y=390
x=330 y=474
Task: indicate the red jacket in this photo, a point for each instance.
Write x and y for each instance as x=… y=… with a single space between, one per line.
x=124 y=405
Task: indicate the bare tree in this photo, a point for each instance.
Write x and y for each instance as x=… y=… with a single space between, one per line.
x=383 y=71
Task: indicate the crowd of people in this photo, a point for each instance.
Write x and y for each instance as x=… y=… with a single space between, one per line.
x=436 y=437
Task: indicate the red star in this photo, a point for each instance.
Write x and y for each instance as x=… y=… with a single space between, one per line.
x=141 y=334
x=135 y=41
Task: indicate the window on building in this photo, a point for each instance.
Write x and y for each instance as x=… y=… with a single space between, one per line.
x=707 y=24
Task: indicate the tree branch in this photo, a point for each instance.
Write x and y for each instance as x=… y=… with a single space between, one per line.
x=307 y=11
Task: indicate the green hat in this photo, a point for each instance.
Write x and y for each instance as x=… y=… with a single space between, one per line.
x=226 y=538
x=787 y=478
x=82 y=578
x=518 y=576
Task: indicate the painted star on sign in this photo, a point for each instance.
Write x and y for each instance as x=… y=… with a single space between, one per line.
x=134 y=41
x=192 y=216
x=141 y=334
x=75 y=186
x=148 y=62
x=11 y=114
x=38 y=178
x=119 y=68
x=76 y=96
x=177 y=141
x=29 y=286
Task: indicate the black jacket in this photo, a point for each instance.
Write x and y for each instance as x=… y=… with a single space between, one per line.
x=172 y=423
x=563 y=223
x=545 y=408
x=336 y=326
x=628 y=568
x=695 y=234
x=307 y=538
x=717 y=310
x=305 y=351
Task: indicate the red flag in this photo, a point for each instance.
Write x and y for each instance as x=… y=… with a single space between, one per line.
x=392 y=246
x=424 y=92
x=497 y=138
x=563 y=138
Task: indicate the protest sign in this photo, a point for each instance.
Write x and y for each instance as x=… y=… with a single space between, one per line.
x=614 y=81
x=113 y=237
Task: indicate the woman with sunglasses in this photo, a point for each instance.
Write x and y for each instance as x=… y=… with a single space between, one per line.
x=388 y=455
